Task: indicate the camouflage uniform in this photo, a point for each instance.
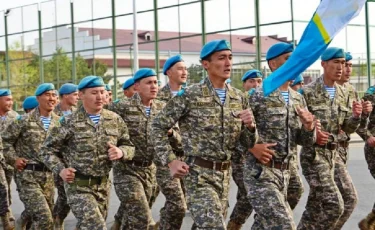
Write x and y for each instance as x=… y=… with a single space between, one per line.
x=173 y=212
x=84 y=147
x=325 y=204
x=4 y=202
x=342 y=178
x=134 y=183
x=267 y=185
x=61 y=208
x=369 y=132
x=210 y=133
x=8 y=169
x=23 y=139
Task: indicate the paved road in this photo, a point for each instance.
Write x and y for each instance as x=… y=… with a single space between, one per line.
x=363 y=181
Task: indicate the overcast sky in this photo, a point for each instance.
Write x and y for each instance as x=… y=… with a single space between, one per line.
x=217 y=18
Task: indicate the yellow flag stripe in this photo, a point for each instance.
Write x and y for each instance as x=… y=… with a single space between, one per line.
x=322 y=30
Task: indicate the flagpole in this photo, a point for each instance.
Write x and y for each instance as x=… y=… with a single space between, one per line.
x=135 y=37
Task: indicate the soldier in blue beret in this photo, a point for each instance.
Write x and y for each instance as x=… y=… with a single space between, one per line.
x=215 y=116
x=30 y=103
x=279 y=49
x=128 y=88
x=298 y=83
x=26 y=134
x=108 y=88
x=90 y=140
x=68 y=99
x=252 y=79
x=7 y=115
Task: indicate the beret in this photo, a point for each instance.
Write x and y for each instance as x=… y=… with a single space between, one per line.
x=214 y=46
x=143 y=73
x=42 y=88
x=333 y=53
x=298 y=80
x=128 y=83
x=30 y=102
x=108 y=87
x=68 y=88
x=254 y=73
x=170 y=62
x=278 y=49
x=348 y=56
x=91 y=82
x=5 y=92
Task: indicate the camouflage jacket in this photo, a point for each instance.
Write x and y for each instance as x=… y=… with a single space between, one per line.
x=134 y=115
x=59 y=112
x=10 y=117
x=165 y=94
x=86 y=143
x=335 y=114
x=24 y=137
x=208 y=129
x=278 y=122
x=369 y=131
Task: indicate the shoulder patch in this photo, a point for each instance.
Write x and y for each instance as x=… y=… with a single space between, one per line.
x=251 y=91
x=300 y=91
x=181 y=92
x=370 y=90
x=62 y=119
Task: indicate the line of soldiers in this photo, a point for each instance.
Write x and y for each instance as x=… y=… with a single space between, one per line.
x=187 y=142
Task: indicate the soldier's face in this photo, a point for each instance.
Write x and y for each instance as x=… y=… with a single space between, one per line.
x=48 y=100
x=147 y=88
x=279 y=61
x=71 y=99
x=348 y=71
x=252 y=83
x=109 y=96
x=297 y=86
x=334 y=68
x=93 y=99
x=220 y=65
x=6 y=103
x=129 y=92
x=178 y=73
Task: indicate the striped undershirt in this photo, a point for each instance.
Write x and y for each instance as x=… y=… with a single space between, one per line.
x=148 y=110
x=66 y=112
x=221 y=93
x=3 y=118
x=95 y=118
x=331 y=91
x=174 y=93
x=46 y=122
x=285 y=96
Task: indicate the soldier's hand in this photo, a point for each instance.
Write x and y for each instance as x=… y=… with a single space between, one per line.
x=371 y=141
x=321 y=136
x=68 y=174
x=306 y=118
x=262 y=152
x=178 y=169
x=357 y=109
x=247 y=118
x=366 y=107
x=20 y=163
x=114 y=153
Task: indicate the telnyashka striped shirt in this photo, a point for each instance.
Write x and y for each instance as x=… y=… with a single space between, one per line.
x=174 y=93
x=148 y=110
x=285 y=96
x=331 y=91
x=95 y=118
x=221 y=93
x=46 y=122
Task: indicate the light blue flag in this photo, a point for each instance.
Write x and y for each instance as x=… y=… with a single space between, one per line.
x=330 y=17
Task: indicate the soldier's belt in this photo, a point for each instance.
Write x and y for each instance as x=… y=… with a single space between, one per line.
x=36 y=167
x=137 y=163
x=278 y=165
x=179 y=153
x=84 y=180
x=215 y=165
x=330 y=146
x=343 y=144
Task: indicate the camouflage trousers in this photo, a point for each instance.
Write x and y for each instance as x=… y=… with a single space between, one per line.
x=89 y=204
x=207 y=193
x=370 y=159
x=9 y=174
x=346 y=187
x=295 y=187
x=134 y=192
x=325 y=204
x=173 y=212
x=267 y=191
x=4 y=202
x=36 y=191
x=61 y=208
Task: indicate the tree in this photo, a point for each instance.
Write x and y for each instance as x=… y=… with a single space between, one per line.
x=195 y=73
x=361 y=69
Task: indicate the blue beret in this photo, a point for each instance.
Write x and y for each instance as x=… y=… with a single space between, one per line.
x=143 y=73
x=170 y=62
x=278 y=49
x=5 y=92
x=348 y=56
x=42 y=88
x=108 y=87
x=214 y=46
x=128 y=83
x=91 y=82
x=68 y=88
x=298 y=80
x=254 y=73
x=332 y=53
x=30 y=102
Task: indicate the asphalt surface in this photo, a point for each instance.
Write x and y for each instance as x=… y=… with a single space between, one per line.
x=362 y=179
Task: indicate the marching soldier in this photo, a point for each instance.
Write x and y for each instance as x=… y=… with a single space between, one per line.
x=128 y=88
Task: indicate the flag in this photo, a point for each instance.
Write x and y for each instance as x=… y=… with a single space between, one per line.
x=330 y=17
